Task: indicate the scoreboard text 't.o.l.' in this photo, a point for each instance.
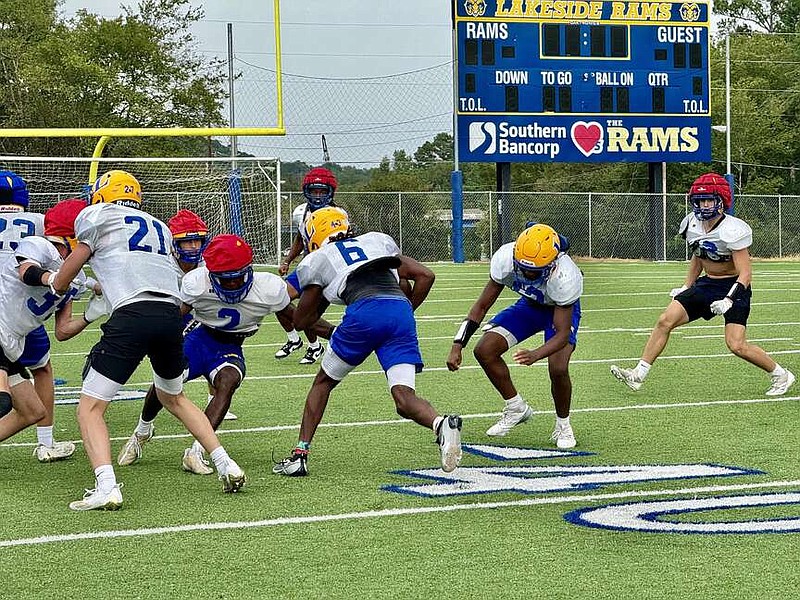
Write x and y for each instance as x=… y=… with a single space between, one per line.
x=583 y=81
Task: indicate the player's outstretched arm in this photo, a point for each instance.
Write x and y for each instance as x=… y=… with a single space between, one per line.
x=412 y=270
x=491 y=292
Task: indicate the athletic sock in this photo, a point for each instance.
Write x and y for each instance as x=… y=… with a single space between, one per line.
x=777 y=371
x=44 y=436
x=144 y=428
x=642 y=369
x=106 y=478
x=220 y=458
x=293 y=336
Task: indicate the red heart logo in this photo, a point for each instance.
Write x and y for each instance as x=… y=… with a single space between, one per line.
x=587 y=137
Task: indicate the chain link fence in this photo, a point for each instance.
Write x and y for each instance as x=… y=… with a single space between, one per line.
x=633 y=226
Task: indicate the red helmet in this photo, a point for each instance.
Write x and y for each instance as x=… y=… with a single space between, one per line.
x=319 y=185
x=59 y=221
x=229 y=260
x=710 y=186
x=186 y=225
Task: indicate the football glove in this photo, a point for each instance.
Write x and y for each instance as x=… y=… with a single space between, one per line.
x=720 y=307
x=676 y=291
x=96 y=308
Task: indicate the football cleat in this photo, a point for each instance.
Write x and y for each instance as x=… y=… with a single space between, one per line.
x=781 y=383
x=295 y=465
x=509 y=419
x=194 y=462
x=564 y=437
x=132 y=450
x=312 y=355
x=97 y=500
x=288 y=348
x=58 y=451
x=627 y=376
x=233 y=478
x=448 y=436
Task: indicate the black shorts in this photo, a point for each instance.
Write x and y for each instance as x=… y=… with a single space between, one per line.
x=698 y=298
x=13 y=368
x=152 y=329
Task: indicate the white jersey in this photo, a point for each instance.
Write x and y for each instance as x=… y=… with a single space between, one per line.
x=17 y=225
x=131 y=254
x=331 y=265
x=717 y=245
x=562 y=287
x=23 y=307
x=268 y=295
x=299 y=216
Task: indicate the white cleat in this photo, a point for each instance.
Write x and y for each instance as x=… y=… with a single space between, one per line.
x=312 y=355
x=233 y=479
x=448 y=436
x=58 y=451
x=194 y=462
x=564 y=437
x=288 y=348
x=509 y=419
x=95 y=500
x=132 y=450
x=229 y=416
x=627 y=376
x=781 y=383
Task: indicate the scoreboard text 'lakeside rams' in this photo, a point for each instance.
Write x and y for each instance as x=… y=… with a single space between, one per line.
x=575 y=81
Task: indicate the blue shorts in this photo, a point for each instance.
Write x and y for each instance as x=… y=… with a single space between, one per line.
x=525 y=318
x=385 y=326
x=292 y=280
x=206 y=355
x=37 y=346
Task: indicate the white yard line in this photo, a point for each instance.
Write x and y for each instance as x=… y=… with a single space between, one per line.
x=389 y=512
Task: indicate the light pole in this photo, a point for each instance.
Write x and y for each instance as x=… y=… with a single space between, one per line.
x=726 y=129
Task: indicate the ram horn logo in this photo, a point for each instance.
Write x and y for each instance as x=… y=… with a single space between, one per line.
x=475 y=8
x=690 y=12
x=483 y=137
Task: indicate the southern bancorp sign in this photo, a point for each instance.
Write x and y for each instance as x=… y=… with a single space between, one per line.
x=572 y=139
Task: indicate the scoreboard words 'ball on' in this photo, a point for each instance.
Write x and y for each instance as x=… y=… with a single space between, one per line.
x=578 y=81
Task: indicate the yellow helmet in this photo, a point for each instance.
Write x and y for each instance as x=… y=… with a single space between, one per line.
x=325 y=225
x=536 y=247
x=119 y=187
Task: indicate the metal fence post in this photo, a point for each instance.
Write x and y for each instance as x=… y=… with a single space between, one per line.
x=590 y=225
x=780 y=227
x=491 y=225
x=400 y=218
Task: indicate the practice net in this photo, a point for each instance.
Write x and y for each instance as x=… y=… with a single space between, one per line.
x=239 y=196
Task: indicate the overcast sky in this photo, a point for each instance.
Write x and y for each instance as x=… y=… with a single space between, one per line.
x=373 y=75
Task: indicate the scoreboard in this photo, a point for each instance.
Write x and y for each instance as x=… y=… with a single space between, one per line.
x=582 y=81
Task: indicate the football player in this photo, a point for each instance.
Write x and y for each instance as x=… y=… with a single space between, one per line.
x=16 y=223
x=719 y=244
x=550 y=285
x=26 y=304
x=363 y=273
x=128 y=250
x=319 y=187
x=229 y=301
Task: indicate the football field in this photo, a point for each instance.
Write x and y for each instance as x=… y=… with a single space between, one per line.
x=688 y=488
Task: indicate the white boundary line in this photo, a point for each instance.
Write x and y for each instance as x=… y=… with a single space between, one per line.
x=389 y=512
x=596 y=409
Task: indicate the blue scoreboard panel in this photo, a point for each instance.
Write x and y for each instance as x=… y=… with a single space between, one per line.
x=582 y=81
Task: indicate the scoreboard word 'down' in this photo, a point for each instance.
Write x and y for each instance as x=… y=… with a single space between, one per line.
x=583 y=81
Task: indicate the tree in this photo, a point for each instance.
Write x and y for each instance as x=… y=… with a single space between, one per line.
x=135 y=70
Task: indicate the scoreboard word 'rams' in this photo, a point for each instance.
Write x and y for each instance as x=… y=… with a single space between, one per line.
x=487 y=31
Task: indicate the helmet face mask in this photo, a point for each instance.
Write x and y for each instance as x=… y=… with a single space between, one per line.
x=702 y=211
x=232 y=286
x=117 y=187
x=189 y=236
